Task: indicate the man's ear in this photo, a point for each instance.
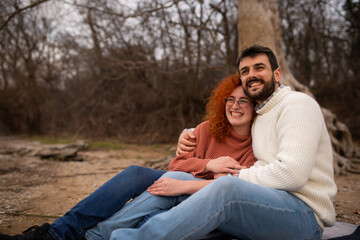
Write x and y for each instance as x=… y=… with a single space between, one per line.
x=277 y=74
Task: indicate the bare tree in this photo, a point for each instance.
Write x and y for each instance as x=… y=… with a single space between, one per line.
x=259 y=23
x=27 y=71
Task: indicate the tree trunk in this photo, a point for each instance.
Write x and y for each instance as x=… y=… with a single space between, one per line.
x=259 y=23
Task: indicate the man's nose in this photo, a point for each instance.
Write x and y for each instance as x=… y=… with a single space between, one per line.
x=251 y=73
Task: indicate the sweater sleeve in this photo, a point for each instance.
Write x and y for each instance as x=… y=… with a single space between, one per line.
x=194 y=162
x=298 y=124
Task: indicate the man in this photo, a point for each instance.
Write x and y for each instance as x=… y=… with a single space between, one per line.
x=288 y=192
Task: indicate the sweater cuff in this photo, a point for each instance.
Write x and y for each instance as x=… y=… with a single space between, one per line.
x=188 y=130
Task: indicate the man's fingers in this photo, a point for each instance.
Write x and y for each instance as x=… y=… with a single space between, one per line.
x=186 y=142
x=191 y=135
x=182 y=149
x=180 y=152
x=185 y=149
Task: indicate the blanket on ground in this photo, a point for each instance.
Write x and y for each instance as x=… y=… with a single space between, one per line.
x=340 y=231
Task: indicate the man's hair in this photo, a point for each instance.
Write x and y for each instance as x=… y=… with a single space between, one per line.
x=256 y=50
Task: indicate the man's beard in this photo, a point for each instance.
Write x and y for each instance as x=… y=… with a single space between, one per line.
x=268 y=89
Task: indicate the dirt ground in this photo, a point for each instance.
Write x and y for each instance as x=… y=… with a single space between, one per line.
x=34 y=191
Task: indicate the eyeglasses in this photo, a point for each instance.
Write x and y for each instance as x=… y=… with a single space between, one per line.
x=230 y=101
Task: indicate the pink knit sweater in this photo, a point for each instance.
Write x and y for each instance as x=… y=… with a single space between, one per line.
x=208 y=147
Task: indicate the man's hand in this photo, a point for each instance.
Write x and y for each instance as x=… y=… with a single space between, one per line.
x=186 y=143
x=168 y=187
x=223 y=165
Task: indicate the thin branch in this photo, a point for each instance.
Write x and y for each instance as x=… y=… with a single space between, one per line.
x=19 y=11
x=134 y=15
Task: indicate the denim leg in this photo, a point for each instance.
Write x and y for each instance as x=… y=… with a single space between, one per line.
x=235 y=206
x=104 y=202
x=142 y=206
x=147 y=217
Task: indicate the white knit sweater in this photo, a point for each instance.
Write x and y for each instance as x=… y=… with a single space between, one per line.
x=294 y=153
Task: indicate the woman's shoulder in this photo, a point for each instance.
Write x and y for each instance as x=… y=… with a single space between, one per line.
x=203 y=126
x=203 y=129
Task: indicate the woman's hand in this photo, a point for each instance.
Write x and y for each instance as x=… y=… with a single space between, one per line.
x=223 y=165
x=168 y=187
x=173 y=187
x=186 y=143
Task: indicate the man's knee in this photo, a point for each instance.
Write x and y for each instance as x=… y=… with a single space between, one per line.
x=225 y=183
x=179 y=175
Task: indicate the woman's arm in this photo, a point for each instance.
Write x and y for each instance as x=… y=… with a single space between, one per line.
x=197 y=161
x=173 y=187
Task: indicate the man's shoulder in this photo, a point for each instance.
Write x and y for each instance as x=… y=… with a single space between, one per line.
x=300 y=102
x=298 y=97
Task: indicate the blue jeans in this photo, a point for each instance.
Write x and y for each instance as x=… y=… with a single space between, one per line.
x=232 y=205
x=104 y=202
x=133 y=213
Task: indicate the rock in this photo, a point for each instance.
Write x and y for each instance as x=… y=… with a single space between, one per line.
x=60 y=152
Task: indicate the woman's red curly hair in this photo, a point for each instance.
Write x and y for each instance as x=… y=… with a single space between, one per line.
x=215 y=108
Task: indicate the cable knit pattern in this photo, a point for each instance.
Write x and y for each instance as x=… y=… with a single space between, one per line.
x=294 y=152
x=208 y=147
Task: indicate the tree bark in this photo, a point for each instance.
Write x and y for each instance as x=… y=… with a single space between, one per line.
x=259 y=23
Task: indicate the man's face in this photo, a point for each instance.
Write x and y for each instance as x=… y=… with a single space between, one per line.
x=258 y=80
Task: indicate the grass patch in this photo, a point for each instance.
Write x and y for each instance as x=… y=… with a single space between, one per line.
x=98 y=144
x=157 y=146
x=106 y=145
x=51 y=140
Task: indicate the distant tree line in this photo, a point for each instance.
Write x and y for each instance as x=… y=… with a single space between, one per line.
x=142 y=74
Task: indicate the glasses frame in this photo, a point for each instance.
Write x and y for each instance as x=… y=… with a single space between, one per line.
x=242 y=102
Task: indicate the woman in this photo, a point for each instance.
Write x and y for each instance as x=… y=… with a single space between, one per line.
x=224 y=137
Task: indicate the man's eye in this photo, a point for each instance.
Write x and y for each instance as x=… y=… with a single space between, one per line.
x=244 y=101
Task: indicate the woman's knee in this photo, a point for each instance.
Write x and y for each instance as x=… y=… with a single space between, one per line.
x=133 y=169
x=144 y=171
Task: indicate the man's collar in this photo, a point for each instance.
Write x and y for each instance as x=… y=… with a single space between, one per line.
x=261 y=105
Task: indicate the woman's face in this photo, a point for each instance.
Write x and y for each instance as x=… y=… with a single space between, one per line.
x=239 y=111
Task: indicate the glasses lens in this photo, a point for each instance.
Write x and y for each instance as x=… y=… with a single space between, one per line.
x=240 y=102
x=230 y=101
x=243 y=103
